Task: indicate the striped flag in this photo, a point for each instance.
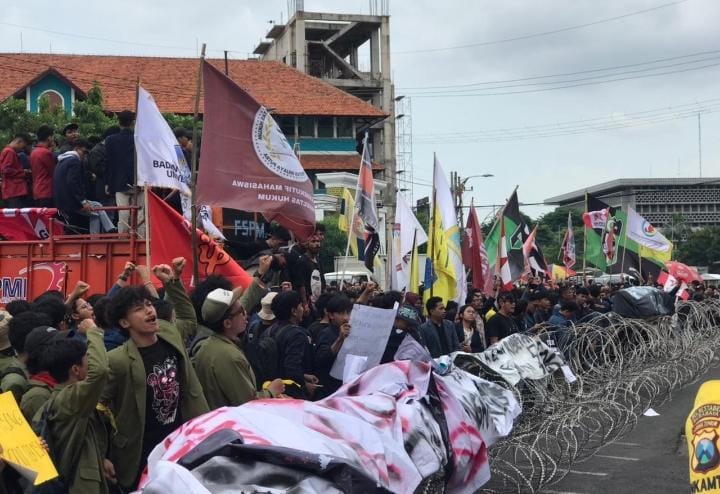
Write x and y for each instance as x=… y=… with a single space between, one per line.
x=365 y=200
x=365 y=197
x=502 y=267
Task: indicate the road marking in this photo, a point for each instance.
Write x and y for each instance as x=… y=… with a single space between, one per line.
x=624 y=458
x=596 y=474
x=622 y=444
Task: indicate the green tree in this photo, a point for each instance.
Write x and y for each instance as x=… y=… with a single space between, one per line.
x=334 y=245
x=89 y=114
x=551 y=231
x=702 y=247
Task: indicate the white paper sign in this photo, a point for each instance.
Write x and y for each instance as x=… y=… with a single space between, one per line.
x=354 y=366
x=568 y=373
x=369 y=333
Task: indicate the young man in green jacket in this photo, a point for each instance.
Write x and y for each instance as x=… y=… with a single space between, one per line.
x=153 y=388
x=12 y=371
x=224 y=371
x=78 y=436
x=40 y=382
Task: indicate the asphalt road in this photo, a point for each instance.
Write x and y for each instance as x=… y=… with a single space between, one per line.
x=652 y=459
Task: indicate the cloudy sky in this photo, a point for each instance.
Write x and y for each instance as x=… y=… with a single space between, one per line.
x=514 y=88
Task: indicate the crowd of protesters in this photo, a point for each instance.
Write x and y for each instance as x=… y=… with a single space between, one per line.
x=79 y=176
x=104 y=377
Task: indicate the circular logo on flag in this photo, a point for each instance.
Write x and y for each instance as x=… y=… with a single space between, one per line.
x=273 y=149
x=648 y=229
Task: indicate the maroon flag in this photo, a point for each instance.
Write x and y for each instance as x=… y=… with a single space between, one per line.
x=246 y=162
x=475 y=256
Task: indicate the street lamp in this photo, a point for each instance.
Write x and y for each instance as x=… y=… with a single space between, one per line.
x=459 y=188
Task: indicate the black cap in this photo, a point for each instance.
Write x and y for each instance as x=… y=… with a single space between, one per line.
x=70 y=126
x=180 y=132
x=409 y=314
x=41 y=336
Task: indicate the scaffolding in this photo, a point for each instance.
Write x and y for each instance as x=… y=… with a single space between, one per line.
x=404 y=147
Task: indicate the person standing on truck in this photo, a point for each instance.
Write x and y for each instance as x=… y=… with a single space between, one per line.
x=120 y=171
x=70 y=195
x=42 y=164
x=14 y=187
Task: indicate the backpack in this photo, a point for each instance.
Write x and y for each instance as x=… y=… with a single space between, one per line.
x=41 y=427
x=263 y=355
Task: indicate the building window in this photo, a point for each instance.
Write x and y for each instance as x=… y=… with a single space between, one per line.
x=287 y=125
x=53 y=98
x=306 y=126
x=345 y=127
x=326 y=127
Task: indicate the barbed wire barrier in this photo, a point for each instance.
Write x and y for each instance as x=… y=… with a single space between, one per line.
x=512 y=419
x=622 y=368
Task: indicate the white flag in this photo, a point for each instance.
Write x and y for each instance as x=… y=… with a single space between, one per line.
x=160 y=160
x=641 y=231
x=405 y=230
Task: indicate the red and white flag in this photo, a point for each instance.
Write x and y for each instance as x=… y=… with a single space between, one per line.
x=246 y=163
x=474 y=254
x=502 y=267
x=28 y=224
x=596 y=219
x=568 y=245
x=171 y=238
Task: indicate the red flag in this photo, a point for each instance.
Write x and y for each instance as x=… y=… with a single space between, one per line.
x=502 y=267
x=28 y=224
x=596 y=219
x=683 y=272
x=246 y=162
x=474 y=254
x=171 y=237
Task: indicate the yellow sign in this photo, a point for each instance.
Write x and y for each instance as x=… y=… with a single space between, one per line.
x=702 y=432
x=20 y=446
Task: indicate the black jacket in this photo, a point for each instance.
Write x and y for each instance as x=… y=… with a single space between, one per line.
x=476 y=344
x=68 y=182
x=120 y=161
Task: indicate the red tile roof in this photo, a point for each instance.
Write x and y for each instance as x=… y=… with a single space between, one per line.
x=333 y=162
x=171 y=81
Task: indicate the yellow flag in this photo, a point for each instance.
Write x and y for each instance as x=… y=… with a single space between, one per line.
x=20 y=446
x=702 y=430
x=414 y=281
x=346 y=218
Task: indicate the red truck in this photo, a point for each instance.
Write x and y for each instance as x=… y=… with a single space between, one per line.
x=57 y=261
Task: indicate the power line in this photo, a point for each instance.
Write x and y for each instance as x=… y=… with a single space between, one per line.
x=594 y=123
x=564 y=85
x=548 y=76
x=543 y=33
x=108 y=40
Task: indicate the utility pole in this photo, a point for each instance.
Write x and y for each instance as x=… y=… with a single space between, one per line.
x=700 y=143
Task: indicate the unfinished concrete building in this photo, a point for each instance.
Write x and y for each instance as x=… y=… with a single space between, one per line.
x=351 y=52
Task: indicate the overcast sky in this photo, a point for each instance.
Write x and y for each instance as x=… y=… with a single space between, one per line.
x=494 y=128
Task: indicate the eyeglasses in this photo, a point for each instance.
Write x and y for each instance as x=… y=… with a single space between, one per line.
x=240 y=311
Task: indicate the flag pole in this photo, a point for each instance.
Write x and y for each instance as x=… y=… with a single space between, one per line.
x=584 y=239
x=193 y=206
x=148 y=258
x=351 y=226
x=135 y=178
x=433 y=213
x=622 y=262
